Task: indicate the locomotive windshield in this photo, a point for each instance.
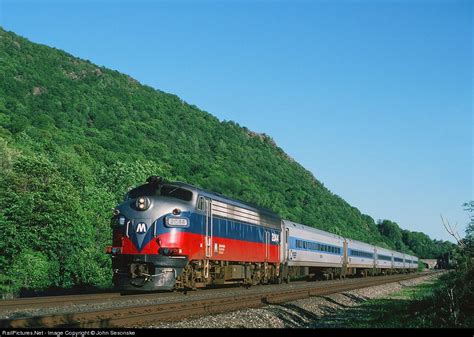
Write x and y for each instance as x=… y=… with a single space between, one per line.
x=149 y=190
x=176 y=192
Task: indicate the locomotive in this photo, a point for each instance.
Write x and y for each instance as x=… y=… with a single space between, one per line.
x=172 y=235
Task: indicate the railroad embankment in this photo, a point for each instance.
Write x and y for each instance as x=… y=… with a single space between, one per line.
x=139 y=310
x=377 y=306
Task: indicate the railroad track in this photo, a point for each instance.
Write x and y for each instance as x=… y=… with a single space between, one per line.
x=49 y=301
x=138 y=315
x=67 y=300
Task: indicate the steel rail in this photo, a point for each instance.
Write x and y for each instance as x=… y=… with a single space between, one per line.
x=137 y=315
x=46 y=301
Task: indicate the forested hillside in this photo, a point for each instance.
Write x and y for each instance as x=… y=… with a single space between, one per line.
x=75 y=136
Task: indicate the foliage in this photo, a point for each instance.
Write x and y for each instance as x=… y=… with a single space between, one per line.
x=453 y=300
x=75 y=136
x=469 y=238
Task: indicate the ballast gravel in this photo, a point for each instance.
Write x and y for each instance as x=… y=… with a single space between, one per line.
x=297 y=314
x=149 y=299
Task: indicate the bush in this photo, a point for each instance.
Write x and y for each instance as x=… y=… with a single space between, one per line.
x=31 y=270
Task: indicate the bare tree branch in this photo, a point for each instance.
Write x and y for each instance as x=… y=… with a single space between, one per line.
x=453 y=231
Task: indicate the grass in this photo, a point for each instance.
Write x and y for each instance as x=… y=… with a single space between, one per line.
x=421 y=306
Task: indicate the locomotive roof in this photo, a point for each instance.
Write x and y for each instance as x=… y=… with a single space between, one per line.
x=222 y=198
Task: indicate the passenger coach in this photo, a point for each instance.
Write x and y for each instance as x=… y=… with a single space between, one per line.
x=310 y=251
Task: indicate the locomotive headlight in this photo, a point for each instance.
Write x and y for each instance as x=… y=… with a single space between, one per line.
x=142 y=203
x=121 y=220
x=177 y=222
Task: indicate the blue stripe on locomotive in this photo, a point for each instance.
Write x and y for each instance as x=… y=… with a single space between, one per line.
x=222 y=227
x=292 y=245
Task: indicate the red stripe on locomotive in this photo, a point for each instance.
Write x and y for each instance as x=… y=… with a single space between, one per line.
x=192 y=245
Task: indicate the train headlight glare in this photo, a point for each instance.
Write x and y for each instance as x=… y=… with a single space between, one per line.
x=177 y=222
x=121 y=220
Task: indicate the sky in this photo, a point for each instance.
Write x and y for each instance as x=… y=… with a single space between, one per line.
x=373 y=97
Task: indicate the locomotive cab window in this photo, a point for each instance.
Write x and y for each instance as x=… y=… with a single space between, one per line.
x=176 y=192
x=147 y=190
x=150 y=190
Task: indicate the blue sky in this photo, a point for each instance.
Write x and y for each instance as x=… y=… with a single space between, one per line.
x=373 y=97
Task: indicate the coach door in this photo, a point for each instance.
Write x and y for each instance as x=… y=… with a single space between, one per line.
x=208 y=229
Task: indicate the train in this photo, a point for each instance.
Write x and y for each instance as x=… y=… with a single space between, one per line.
x=173 y=235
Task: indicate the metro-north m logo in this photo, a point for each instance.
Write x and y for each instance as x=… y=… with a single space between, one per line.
x=141 y=228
